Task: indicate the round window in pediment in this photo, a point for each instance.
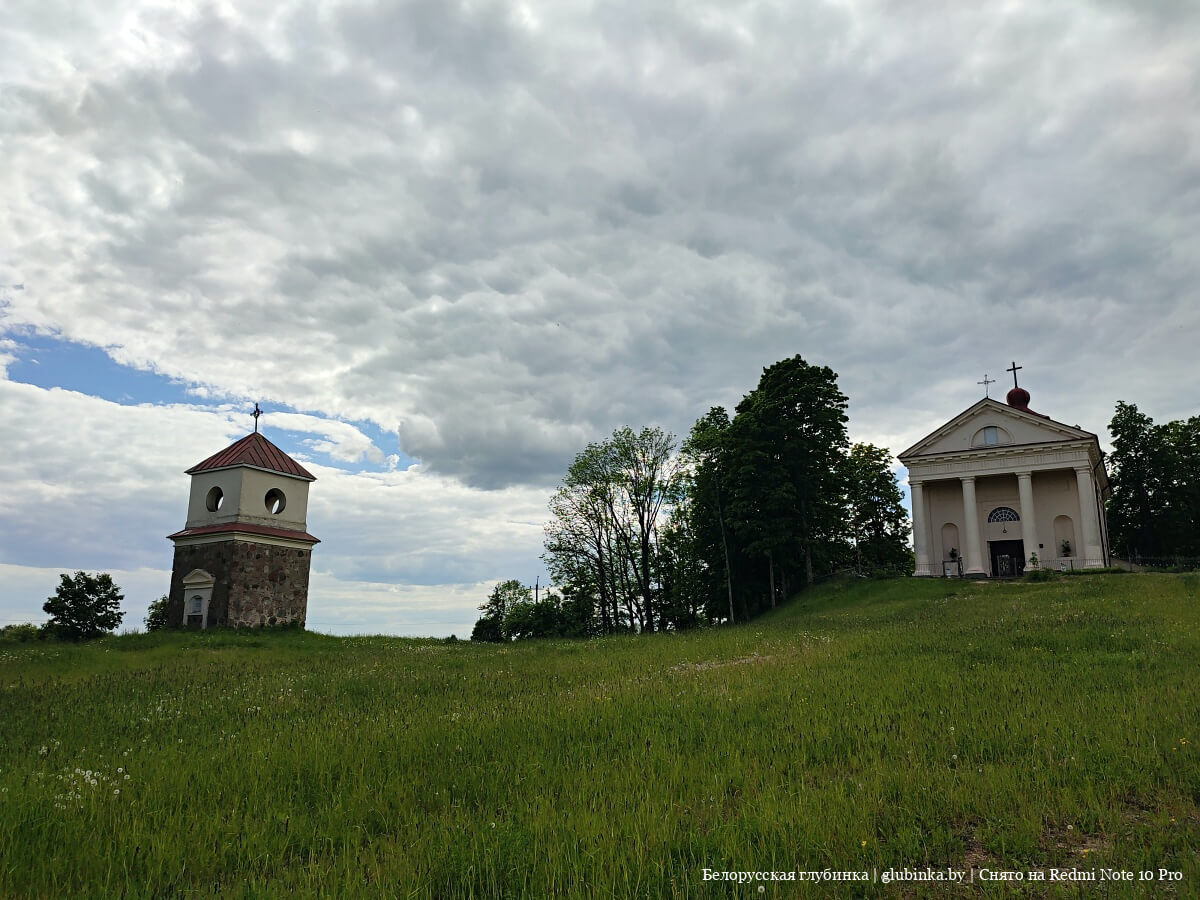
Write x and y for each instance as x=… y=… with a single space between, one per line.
x=275 y=501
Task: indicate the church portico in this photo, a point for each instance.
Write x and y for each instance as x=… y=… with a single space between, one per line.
x=1000 y=489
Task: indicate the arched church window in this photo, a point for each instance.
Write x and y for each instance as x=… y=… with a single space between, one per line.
x=1003 y=514
x=991 y=436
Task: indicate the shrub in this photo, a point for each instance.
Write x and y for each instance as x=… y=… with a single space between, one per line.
x=156 y=615
x=488 y=629
x=83 y=607
x=21 y=634
x=1039 y=574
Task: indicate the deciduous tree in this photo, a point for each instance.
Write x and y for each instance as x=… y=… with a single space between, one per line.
x=492 y=625
x=84 y=606
x=876 y=520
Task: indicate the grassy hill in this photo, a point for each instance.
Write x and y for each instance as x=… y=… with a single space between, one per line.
x=866 y=725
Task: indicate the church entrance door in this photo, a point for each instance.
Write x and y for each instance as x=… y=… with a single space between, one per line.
x=1008 y=558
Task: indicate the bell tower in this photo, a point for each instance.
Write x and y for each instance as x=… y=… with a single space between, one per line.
x=242 y=558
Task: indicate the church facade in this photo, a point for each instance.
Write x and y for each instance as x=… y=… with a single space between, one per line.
x=243 y=556
x=1000 y=489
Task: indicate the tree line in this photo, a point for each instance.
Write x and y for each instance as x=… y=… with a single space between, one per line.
x=650 y=534
x=1154 y=475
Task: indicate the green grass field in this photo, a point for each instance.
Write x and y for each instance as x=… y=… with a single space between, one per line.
x=866 y=725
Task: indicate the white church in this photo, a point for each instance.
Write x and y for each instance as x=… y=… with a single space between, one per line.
x=1000 y=489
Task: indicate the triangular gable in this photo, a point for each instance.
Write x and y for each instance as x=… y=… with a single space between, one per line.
x=1020 y=427
x=198 y=577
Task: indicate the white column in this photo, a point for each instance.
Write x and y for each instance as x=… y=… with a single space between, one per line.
x=971 y=514
x=920 y=530
x=1092 y=552
x=1028 y=526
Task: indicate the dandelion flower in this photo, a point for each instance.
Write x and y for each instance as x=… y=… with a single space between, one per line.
x=116 y=792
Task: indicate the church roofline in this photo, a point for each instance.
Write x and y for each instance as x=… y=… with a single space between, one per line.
x=1072 y=433
x=254 y=452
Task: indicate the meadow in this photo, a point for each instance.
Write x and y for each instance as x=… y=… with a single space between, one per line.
x=865 y=725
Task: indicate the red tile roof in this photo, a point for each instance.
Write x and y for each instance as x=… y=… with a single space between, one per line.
x=245 y=528
x=254 y=450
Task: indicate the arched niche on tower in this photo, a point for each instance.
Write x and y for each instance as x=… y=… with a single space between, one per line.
x=197 y=595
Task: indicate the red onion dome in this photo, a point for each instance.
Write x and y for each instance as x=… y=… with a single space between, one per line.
x=1018 y=397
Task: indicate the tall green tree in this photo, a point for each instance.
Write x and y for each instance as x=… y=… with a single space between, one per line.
x=707 y=467
x=602 y=538
x=1154 y=474
x=646 y=470
x=582 y=548
x=787 y=439
x=1138 y=479
x=877 y=522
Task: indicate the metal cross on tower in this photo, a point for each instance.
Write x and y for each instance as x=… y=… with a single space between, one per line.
x=257 y=412
x=986 y=381
x=1014 y=371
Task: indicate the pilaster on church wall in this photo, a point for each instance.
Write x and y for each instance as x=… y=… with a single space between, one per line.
x=1056 y=494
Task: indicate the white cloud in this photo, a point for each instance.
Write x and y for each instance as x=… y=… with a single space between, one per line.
x=94 y=485
x=339 y=440
x=500 y=230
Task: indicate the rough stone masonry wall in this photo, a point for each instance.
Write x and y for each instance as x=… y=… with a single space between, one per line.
x=268 y=585
x=217 y=560
x=256 y=584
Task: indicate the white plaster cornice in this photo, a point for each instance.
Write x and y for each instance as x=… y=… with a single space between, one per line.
x=242 y=536
x=1007 y=460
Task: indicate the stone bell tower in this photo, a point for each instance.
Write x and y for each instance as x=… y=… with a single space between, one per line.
x=242 y=558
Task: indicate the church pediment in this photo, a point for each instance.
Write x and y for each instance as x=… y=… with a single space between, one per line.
x=989 y=425
x=198 y=578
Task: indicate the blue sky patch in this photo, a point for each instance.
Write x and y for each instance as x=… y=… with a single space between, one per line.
x=49 y=362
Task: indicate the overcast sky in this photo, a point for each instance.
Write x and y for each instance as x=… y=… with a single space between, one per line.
x=446 y=244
